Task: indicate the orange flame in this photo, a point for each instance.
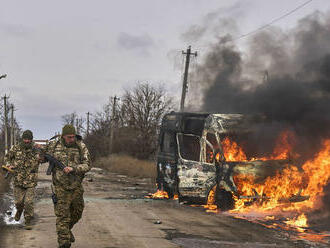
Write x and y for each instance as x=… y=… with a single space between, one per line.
x=301 y=221
x=284 y=145
x=282 y=150
x=287 y=187
x=294 y=188
x=232 y=151
x=210 y=205
x=160 y=194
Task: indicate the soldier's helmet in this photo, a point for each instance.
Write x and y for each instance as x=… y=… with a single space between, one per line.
x=27 y=134
x=68 y=129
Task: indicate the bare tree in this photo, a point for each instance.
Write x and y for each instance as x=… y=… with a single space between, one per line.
x=74 y=120
x=137 y=119
x=17 y=128
x=142 y=109
x=98 y=138
x=69 y=118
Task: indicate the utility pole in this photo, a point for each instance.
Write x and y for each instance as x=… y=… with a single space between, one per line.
x=15 y=139
x=12 y=127
x=112 y=122
x=87 y=129
x=185 y=77
x=6 y=122
x=77 y=125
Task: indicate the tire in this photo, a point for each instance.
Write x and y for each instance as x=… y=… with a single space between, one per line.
x=224 y=200
x=169 y=191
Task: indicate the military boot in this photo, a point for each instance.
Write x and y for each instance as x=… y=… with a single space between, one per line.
x=65 y=246
x=18 y=214
x=28 y=224
x=72 y=239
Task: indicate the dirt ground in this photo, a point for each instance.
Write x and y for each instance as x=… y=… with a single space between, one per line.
x=118 y=215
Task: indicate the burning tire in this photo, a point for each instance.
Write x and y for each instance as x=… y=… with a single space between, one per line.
x=169 y=191
x=164 y=186
x=224 y=200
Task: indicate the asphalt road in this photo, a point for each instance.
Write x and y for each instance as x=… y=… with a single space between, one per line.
x=118 y=215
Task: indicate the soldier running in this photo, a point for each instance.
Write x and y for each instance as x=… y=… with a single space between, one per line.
x=25 y=162
x=67 y=183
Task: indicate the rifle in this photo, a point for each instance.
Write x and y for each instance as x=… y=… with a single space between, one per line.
x=3 y=76
x=7 y=170
x=53 y=162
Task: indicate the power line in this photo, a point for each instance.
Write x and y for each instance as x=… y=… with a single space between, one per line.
x=266 y=25
x=273 y=21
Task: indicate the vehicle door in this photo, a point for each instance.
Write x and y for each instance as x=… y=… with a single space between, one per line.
x=195 y=171
x=167 y=162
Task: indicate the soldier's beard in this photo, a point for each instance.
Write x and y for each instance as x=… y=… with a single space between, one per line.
x=73 y=144
x=26 y=145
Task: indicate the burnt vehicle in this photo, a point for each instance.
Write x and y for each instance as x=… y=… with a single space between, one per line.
x=191 y=161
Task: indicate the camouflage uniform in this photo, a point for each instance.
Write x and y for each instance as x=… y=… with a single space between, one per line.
x=26 y=164
x=68 y=187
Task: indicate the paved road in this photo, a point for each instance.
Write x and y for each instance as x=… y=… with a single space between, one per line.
x=117 y=215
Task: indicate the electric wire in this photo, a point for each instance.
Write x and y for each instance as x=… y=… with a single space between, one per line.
x=263 y=26
x=273 y=21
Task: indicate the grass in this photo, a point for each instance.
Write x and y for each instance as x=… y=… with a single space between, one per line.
x=127 y=165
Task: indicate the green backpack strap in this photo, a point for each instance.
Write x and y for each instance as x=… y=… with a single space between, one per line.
x=80 y=150
x=78 y=145
x=58 y=141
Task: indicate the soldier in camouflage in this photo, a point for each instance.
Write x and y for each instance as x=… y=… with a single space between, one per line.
x=25 y=162
x=74 y=154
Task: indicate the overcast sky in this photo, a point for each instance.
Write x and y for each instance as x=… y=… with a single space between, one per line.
x=64 y=56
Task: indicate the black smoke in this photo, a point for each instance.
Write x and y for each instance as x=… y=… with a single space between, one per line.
x=282 y=75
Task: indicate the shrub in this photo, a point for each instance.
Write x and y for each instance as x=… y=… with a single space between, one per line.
x=127 y=165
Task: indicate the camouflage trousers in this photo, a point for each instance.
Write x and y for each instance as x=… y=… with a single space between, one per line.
x=68 y=210
x=24 y=200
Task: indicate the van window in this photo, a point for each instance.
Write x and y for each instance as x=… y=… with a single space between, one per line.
x=189 y=147
x=210 y=156
x=212 y=139
x=168 y=143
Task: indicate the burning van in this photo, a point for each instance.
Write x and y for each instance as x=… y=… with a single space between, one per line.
x=194 y=161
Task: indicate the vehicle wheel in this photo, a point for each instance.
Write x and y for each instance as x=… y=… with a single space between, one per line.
x=224 y=200
x=169 y=191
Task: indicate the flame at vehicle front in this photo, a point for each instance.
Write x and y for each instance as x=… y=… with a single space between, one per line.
x=291 y=188
x=296 y=190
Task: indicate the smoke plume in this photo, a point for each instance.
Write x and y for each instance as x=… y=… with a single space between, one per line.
x=283 y=75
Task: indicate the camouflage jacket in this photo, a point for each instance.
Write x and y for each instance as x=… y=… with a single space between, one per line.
x=76 y=157
x=26 y=165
